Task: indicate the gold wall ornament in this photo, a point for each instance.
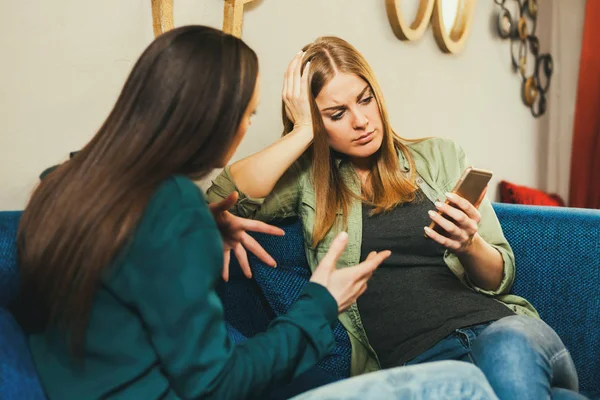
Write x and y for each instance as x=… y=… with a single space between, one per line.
x=520 y=29
x=233 y=16
x=162 y=16
x=415 y=29
x=449 y=40
x=454 y=40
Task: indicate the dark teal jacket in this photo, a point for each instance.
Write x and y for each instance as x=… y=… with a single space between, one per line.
x=157 y=327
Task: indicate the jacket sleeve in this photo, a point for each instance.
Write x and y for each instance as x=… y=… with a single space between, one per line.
x=491 y=231
x=281 y=203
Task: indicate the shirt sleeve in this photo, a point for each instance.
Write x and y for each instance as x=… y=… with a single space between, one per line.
x=490 y=230
x=281 y=203
x=175 y=295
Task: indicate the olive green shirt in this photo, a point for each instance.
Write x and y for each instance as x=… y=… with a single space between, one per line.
x=439 y=164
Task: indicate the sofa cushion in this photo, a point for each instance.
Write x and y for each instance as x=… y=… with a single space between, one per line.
x=517 y=194
x=557 y=254
x=9 y=274
x=19 y=380
x=278 y=288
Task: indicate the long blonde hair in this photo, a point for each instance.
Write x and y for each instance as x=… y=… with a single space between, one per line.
x=388 y=185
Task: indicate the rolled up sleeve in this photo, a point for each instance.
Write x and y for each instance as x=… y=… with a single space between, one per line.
x=281 y=203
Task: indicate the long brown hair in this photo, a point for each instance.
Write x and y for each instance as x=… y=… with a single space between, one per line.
x=387 y=187
x=177 y=114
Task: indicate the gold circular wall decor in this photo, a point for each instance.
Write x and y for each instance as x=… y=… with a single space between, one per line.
x=532 y=7
x=523 y=33
x=401 y=27
x=530 y=92
x=505 y=24
x=536 y=80
x=233 y=15
x=162 y=16
x=449 y=39
x=454 y=39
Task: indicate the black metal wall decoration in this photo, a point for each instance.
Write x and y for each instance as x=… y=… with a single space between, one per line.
x=525 y=47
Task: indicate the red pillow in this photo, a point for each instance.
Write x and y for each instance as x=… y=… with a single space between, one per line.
x=515 y=194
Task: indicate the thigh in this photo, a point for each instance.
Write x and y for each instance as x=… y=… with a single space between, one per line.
x=439 y=380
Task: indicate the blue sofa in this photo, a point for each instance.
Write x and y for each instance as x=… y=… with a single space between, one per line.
x=558 y=270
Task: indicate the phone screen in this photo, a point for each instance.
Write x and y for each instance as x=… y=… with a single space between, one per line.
x=470 y=186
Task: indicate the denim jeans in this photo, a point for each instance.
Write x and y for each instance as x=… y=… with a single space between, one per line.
x=521 y=357
x=444 y=380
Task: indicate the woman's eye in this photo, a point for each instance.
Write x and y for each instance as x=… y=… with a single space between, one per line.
x=366 y=100
x=338 y=116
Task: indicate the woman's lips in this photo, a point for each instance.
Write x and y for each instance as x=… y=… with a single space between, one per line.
x=364 y=139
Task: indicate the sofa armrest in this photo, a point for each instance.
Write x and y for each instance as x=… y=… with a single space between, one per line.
x=9 y=272
x=18 y=376
x=557 y=253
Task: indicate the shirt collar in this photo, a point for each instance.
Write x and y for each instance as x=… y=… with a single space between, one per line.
x=404 y=164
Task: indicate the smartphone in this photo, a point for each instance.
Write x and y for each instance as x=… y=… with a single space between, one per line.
x=470 y=186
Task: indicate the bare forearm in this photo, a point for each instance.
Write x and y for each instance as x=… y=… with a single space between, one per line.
x=257 y=174
x=483 y=264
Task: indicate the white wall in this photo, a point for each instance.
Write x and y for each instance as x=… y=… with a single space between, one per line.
x=566 y=29
x=64 y=62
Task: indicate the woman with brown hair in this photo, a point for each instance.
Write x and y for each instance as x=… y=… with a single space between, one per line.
x=120 y=254
x=340 y=166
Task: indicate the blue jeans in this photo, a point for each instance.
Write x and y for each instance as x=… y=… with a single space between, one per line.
x=521 y=357
x=436 y=381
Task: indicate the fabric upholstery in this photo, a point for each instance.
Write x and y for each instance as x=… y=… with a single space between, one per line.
x=282 y=285
x=557 y=253
x=18 y=377
x=558 y=269
x=9 y=277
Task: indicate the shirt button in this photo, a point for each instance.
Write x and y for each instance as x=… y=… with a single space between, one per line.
x=419 y=181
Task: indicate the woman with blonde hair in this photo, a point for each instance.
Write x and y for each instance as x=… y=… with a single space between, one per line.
x=340 y=166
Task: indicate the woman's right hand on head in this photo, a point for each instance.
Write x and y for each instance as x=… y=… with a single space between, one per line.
x=295 y=93
x=346 y=284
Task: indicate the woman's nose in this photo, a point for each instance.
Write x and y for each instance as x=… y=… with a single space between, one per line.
x=360 y=121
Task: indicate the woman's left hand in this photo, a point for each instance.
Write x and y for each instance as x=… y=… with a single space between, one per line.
x=233 y=232
x=462 y=230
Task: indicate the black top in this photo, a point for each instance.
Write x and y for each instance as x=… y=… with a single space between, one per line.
x=413 y=299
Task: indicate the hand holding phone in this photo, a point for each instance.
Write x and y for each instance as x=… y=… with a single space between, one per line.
x=471 y=186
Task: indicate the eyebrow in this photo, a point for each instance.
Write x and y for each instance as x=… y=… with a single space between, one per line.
x=360 y=95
